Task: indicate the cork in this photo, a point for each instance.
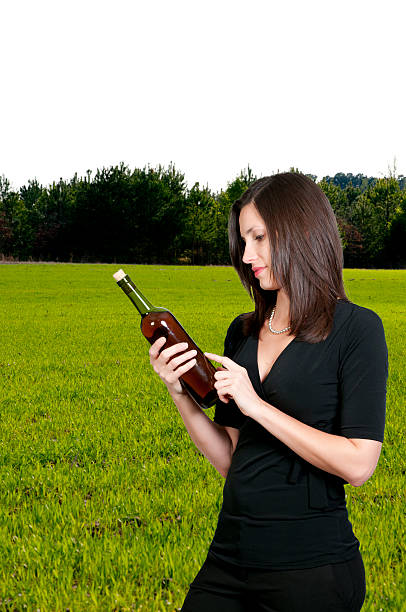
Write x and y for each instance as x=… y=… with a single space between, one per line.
x=119 y=275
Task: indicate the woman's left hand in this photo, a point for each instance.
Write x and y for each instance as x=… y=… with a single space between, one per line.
x=233 y=381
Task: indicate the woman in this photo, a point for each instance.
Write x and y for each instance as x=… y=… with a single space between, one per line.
x=301 y=412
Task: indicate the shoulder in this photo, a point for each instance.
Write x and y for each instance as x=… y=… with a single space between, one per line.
x=362 y=333
x=357 y=319
x=234 y=333
x=236 y=323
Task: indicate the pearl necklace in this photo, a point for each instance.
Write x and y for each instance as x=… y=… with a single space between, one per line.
x=273 y=331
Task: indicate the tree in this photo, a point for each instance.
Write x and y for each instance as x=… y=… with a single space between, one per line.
x=14 y=225
x=6 y=233
x=198 y=238
x=52 y=213
x=148 y=216
x=160 y=207
x=396 y=240
x=359 y=181
x=373 y=214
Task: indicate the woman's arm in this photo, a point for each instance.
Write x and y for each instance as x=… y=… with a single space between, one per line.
x=354 y=460
x=212 y=440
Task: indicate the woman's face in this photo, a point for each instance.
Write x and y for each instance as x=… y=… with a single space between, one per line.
x=257 y=252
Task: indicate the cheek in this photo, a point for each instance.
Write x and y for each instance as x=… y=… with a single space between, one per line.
x=266 y=254
x=272 y=281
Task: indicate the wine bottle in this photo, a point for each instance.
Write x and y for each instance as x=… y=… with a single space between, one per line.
x=156 y=322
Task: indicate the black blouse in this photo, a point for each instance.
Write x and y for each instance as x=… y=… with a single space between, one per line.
x=279 y=511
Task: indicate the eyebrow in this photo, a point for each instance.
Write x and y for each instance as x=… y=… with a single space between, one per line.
x=250 y=230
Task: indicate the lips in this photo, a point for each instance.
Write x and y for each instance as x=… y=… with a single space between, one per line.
x=257 y=271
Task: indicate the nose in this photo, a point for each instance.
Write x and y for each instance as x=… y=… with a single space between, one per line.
x=249 y=254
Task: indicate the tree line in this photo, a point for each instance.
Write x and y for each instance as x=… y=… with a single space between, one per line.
x=149 y=215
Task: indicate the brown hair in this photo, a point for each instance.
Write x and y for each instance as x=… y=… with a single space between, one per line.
x=306 y=253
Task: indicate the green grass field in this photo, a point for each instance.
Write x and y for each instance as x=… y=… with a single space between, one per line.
x=105 y=502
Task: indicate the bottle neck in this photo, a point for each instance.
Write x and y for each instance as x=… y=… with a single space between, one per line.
x=141 y=303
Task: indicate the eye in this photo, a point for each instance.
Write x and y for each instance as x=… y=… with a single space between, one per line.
x=259 y=237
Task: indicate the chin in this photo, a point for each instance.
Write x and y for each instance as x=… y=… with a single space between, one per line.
x=269 y=285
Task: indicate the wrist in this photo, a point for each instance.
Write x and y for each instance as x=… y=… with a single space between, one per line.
x=177 y=392
x=261 y=410
x=174 y=393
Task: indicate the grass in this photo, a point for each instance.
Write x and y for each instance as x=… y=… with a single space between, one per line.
x=105 y=502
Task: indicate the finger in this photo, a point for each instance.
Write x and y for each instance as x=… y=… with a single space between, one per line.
x=223 y=398
x=220 y=374
x=223 y=385
x=174 y=376
x=225 y=361
x=156 y=347
x=214 y=357
x=176 y=361
x=167 y=353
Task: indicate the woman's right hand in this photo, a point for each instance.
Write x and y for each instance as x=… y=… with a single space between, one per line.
x=169 y=367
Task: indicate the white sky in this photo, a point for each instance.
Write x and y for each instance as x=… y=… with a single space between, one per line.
x=210 y=85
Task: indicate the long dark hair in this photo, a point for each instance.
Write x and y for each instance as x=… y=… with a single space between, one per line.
x=306 y=253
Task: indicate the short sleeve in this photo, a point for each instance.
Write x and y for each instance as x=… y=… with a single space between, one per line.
x=363 y=375
x=229 y=415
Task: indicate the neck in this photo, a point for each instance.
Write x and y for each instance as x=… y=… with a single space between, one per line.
x=281 y=317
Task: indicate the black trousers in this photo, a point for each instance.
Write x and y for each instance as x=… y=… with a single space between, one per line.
x=222 y=587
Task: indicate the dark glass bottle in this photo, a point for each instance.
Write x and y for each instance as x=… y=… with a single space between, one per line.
x=156 y=322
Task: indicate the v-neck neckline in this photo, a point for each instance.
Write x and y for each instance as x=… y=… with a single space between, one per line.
x=261 y=382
